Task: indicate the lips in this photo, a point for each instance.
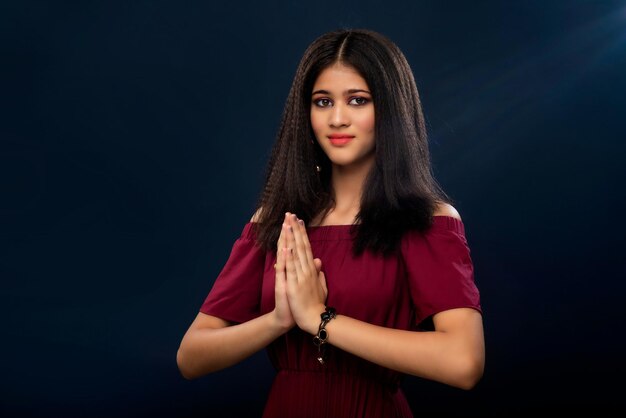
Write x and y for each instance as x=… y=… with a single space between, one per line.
x=340 y=139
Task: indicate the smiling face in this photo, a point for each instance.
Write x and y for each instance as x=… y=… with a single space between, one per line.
x=342 y=117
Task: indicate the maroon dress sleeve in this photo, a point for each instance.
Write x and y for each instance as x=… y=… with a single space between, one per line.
x=439 y=268
x=236 y=293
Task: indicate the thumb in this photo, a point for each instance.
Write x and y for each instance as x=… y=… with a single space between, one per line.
x=318 y=264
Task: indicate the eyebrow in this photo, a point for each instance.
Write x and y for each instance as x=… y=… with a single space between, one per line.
x=345 y=93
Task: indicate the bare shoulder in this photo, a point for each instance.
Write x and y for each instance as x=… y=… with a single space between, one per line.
x=446 y=209
x=256 y=215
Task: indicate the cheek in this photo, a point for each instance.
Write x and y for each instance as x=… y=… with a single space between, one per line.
x=316 y=124
x=366 y=122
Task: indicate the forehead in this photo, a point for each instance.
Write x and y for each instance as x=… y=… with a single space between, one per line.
x=339 y=76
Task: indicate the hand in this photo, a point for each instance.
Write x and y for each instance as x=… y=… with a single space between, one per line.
x=305 y=283
x=282 y=311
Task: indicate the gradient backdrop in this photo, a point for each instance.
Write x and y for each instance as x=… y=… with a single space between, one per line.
x=134 y=136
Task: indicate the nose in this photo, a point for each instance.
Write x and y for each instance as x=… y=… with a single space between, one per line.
x=339 y=116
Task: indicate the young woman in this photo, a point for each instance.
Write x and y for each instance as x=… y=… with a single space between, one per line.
x=354 y=270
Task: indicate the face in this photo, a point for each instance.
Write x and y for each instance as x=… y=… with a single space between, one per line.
x=342 y=117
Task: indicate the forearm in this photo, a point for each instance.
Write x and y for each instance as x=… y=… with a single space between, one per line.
x=206 y=350
x=453 y=358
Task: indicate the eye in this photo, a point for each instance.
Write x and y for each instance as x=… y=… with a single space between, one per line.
x=359 y=101
x=323 y=102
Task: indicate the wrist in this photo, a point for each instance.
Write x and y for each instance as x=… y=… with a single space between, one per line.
x=314 y=319
x=279 y=325
x=321 y=338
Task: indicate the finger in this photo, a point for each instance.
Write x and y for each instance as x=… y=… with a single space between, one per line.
x=322 y=279
x=290 y=240
x=318 y=264
x=300 y=258
x=303 y=251
x=306 y=243
x=290 y=268
x=280 y=275
x=280 y=265
x=291 y=243
x=281 y=238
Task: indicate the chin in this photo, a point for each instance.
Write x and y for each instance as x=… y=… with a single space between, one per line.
x=346 y=162
x=342 y=163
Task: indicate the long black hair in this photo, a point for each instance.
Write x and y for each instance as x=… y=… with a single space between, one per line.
x=400 y=192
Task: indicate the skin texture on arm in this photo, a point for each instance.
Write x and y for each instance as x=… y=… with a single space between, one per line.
x=211 y=344
x=453 y=353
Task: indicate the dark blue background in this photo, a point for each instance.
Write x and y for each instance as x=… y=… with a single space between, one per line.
x=134 y=138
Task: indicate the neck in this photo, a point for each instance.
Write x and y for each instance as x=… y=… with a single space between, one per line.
x=347 y=183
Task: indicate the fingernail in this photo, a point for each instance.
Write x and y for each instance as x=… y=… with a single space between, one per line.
x=300 y=221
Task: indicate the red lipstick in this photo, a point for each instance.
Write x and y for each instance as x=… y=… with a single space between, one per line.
x=340 y=139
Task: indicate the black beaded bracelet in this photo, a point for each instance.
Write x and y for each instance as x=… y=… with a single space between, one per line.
x=322 y=335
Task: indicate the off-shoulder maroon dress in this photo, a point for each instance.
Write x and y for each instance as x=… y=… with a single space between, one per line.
x=431 y=272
